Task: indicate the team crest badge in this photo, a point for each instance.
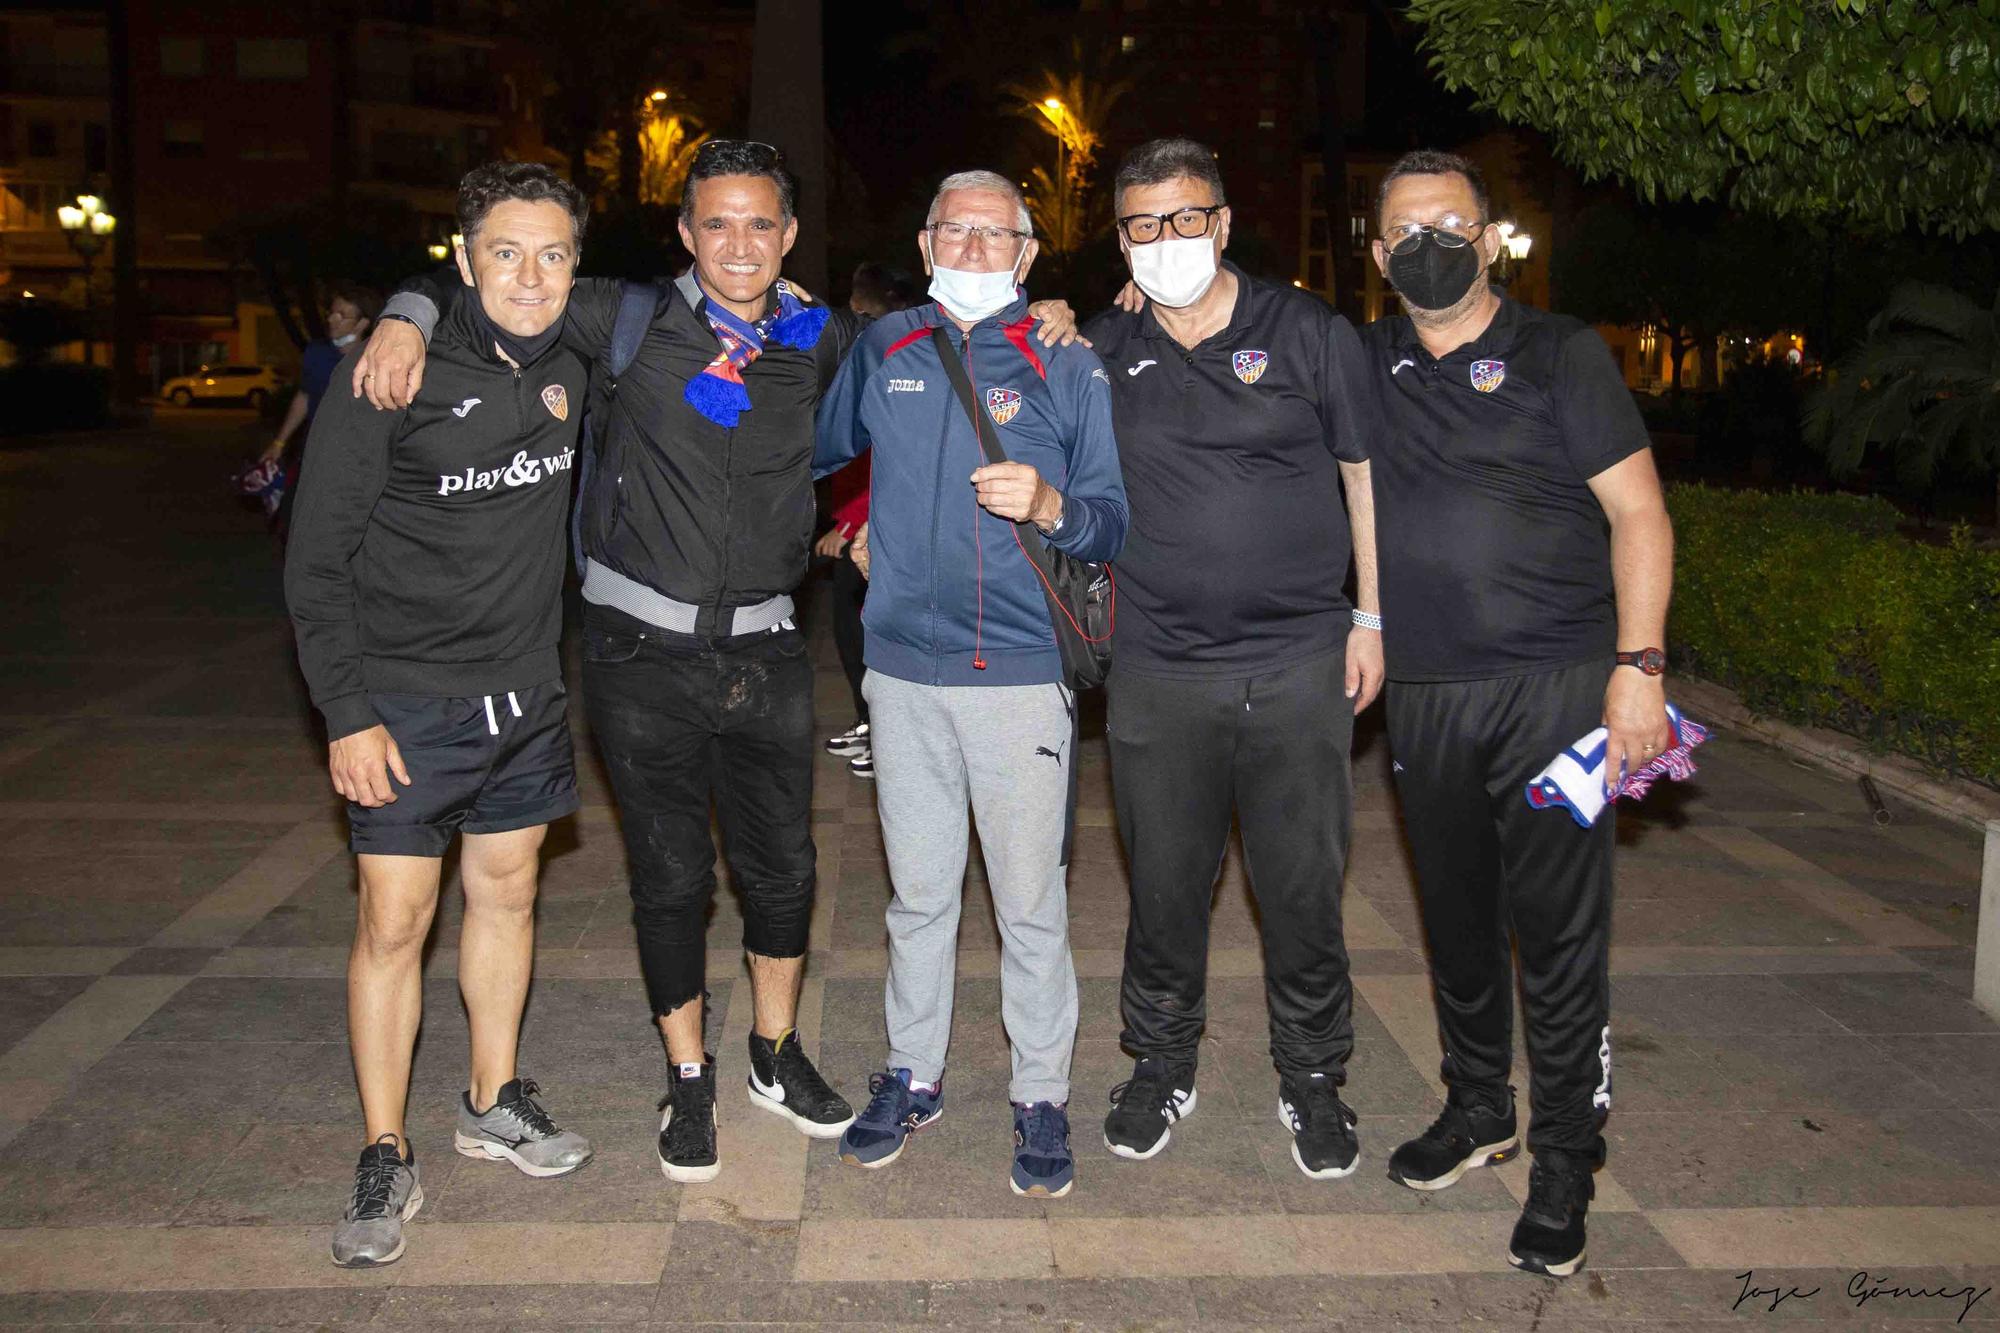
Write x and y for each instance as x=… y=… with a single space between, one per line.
x=1250 y=366
x=1002 y=404
x=556 y=401
x=1486 y=375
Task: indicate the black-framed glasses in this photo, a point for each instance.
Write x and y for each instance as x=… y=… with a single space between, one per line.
x=775 y=153
x=958 y=233
x=1451 y=234
x=1188 y=224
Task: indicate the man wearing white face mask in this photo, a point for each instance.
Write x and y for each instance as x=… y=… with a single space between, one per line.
x=964 y=682
x=1244 y=416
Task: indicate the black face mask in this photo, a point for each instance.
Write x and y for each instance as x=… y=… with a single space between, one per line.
x=1432 y=277
x=523 y=350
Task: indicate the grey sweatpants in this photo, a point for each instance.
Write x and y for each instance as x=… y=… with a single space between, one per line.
x=1007 y=748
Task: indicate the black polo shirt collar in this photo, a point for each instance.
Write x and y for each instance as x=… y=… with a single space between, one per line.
x=1500 y=335
x=1239 y=315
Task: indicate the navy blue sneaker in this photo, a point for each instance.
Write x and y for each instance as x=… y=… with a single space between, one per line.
x=894 y=1112
x=1043 y=1165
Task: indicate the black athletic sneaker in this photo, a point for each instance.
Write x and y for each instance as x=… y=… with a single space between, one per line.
x=1145 y=1107
x=783 y=1080
x=687 y=1127
x=1323 y=1140
x=853 y=741
x=1461 y=1138
x=1549 y=1237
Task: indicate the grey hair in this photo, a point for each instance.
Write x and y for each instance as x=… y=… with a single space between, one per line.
x=991 y=181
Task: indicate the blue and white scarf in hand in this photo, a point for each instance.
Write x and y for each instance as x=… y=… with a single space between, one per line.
x=1575 y=778
x=719 y=393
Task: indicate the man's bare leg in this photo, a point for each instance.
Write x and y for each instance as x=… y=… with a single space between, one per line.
x=681 y=1030
x=496 y=950
x=385 y=999
x=774 y=985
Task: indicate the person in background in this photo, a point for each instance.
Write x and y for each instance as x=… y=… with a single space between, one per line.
x=877 y=290
x=349 y=314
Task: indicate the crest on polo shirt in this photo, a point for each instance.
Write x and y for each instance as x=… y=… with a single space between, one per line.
x=1250 y=366
x=556 y=401
x=1002 y=404
x=1486 y=375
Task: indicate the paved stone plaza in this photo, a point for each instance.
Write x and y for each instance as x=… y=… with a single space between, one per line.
x=1803 y=1088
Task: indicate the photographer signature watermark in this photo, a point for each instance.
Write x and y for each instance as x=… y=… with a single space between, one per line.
x=1862 y=1288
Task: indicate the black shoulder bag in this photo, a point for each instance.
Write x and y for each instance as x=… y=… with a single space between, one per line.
x=1082 y=595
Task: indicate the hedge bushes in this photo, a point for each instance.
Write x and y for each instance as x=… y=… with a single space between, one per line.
x=1817 y=611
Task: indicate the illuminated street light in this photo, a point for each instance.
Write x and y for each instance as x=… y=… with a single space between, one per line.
x=439 y=250
x=1518 y=244
x=85 y=226
x=657 y=95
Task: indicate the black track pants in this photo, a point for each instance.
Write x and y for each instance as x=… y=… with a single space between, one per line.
x=1486 y=861
x=1274 y=749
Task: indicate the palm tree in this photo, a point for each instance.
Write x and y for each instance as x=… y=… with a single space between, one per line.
x=1073 y=106
x=1924 y=384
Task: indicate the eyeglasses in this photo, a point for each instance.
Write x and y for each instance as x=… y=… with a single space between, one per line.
x=1452 y=233
x=958 y=233
x=716 y=145
x=1188 y=224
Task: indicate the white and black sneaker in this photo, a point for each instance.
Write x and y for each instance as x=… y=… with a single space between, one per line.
x=784 y=1081
x=863 y=764
x=687 y=1125
x=1145 y=1107
x=851 y=742
x=1323 y=1139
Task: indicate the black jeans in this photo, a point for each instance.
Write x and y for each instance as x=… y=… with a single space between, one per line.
x=850 y=590
x=681 y=718
x=1487 y=862
x=1274 y=748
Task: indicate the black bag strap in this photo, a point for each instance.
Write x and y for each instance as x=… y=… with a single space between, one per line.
x=954 y=370
x=636 y=303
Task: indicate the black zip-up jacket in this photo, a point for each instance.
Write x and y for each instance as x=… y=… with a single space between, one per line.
x=715 y=516
x=427 y=551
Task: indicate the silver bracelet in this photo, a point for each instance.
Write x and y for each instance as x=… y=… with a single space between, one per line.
x=1368 y=620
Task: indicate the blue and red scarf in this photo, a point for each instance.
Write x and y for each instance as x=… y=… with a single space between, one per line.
x=719 y=393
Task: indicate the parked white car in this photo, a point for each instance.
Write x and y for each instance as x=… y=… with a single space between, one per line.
x=252 y=384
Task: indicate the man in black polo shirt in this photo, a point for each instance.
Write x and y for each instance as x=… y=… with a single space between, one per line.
x=1527 y=560
x=1241 y=410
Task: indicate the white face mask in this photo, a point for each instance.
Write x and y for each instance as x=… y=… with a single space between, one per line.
x=1174 y=271
x=345 y=339
x=969 y=296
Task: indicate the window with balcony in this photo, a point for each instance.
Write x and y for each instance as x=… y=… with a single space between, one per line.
x=274 y=58
x=181 y=139
x=183 y=57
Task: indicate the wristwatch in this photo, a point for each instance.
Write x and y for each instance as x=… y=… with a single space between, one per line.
x=1652 y=661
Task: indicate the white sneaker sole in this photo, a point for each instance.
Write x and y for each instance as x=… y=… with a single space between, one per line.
x=1166 y=1135
x=684 y=1175
x=416 y=1201
x=812 y=1129
x=1565 y=1269
x=500 y=1152
x=1329 y=1173
x=1491 y=1154
x=1037 y=1192
x=881 y=1162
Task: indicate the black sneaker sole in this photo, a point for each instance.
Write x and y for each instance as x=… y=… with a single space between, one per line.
x=1493 y=1154
x=1560 y=1268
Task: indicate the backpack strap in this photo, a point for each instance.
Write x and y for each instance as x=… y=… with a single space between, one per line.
x=636 y=303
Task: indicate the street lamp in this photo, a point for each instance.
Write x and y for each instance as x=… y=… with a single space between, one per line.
x=1514 y=247
x=87 y=227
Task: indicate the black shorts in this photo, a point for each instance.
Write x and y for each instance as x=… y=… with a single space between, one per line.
x=487 y=764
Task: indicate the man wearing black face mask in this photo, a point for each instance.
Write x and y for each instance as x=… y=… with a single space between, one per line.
x=1526 y=563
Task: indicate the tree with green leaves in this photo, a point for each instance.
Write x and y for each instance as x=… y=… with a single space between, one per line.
x=1878 y=113
x=1924 y=385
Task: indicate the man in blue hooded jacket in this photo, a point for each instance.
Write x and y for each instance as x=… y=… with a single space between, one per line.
x=964 y=682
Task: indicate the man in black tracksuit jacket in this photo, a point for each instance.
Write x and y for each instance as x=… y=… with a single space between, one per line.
x=697 y=682
x=424 y=578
